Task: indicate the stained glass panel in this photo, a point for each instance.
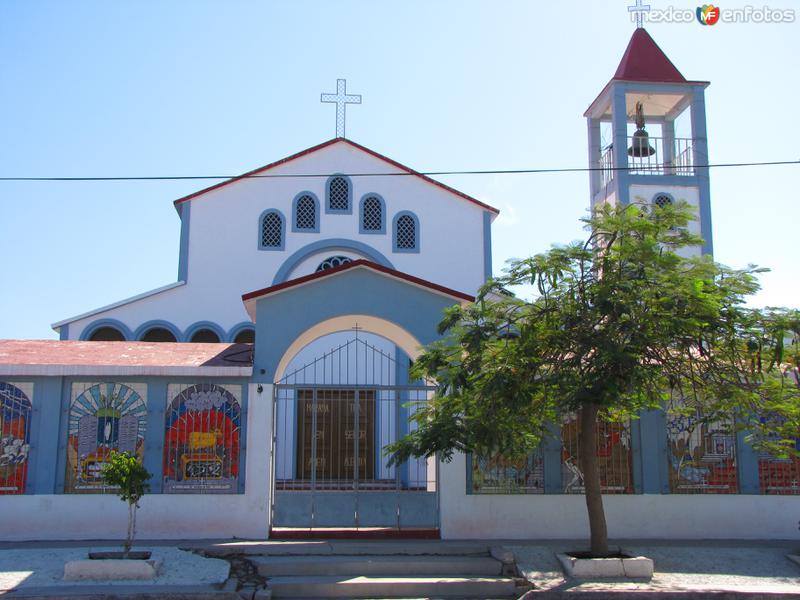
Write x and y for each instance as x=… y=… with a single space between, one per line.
x=102 y=417
x=701 y=454
x=15 y=436
x=500 y=475
x=202 y=438
x=614 y=455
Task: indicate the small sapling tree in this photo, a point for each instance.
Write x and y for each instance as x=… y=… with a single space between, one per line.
x=124 y=472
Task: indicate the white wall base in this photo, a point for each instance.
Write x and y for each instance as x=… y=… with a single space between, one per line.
x=648 y=516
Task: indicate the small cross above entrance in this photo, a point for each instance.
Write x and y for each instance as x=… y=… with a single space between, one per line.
x=639 y=9
x=341 y=98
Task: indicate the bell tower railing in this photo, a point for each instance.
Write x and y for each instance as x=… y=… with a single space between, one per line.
x=660 y=158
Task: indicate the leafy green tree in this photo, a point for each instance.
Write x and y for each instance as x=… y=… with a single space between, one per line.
x=124 y=472
x=617 y=324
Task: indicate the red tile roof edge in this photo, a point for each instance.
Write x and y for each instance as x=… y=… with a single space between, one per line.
x=123 y=354
x=352 y=265
x=313 y=149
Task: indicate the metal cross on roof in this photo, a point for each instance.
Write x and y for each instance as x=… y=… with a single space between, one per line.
x=341 y=98
x=639 y=9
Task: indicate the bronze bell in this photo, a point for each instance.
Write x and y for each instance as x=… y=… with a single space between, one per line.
x=641 y=144
x=641 y=141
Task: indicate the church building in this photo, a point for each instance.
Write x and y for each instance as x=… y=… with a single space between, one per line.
x=260 y=388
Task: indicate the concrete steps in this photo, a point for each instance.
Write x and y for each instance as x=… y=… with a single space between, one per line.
x=383 y=569
x=391 y=587
x=379 y=565
x=349 y=548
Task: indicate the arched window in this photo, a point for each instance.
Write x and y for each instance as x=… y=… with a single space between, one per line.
x=338 y=192
x=305 y=214
x=158 y=334
x=107 y=334
x=406 y=232
x=662 y=199
x=205 y=336
x=332 y=262
x=271 y=230
x=245 y=336
x=372 y=215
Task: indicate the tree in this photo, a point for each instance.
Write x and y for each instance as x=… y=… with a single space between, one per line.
x=617 y=324
x=124 y=472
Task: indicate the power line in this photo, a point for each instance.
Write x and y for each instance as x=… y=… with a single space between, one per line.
x=403 y=174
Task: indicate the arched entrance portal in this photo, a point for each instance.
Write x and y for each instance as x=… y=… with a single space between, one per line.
x=333 y=416
x=335 y=411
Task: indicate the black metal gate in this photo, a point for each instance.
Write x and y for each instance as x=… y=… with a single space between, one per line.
x=332 y=420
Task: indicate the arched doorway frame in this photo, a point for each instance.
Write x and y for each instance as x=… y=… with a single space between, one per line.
x=367 y=323
x=376 y=411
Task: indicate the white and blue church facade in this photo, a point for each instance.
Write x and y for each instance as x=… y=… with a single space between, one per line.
x=260 y=388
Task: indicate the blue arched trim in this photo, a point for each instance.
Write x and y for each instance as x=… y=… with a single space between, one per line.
x=313 y=196
x=145 y=327
x=95 y=325
x=195 y=327
x=261 y=226
x=417 y=236
x=238 y=328
x=380 y=199
x=333 y=244
x=328 y=208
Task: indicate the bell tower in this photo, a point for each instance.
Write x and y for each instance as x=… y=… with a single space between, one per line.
x=647 y=136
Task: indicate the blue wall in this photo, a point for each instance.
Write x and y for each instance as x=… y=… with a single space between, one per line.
x=49 y=423
x=282 y=317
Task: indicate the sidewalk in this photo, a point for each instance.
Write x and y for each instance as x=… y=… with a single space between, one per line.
x=37 y=570
x=683 y=569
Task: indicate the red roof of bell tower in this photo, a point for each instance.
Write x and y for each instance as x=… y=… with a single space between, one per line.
x=645 y=61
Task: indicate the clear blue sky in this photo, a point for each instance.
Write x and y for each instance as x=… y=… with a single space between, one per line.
x=200 y=87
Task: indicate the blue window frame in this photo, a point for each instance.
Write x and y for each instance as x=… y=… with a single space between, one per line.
x=339 y=195
x=405 y=232
x=372 y=214
x=305 y=213
x=271 y=230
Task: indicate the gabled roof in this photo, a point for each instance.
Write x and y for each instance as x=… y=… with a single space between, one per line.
x=57 y=357
x=645 y=61
x=356 y=264
x=313 y=149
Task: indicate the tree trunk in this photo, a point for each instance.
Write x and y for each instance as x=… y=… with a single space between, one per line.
x=591 y=481
x=131 y=526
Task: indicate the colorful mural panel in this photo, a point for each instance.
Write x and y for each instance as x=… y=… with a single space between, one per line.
x=15 y=436
x=500 y=475
x=614 y=454
x=202 y=438
x=701 y=454
x=102 y=417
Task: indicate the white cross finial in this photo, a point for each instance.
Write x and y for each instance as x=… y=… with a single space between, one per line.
x=341 y=98
x=639 y=9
